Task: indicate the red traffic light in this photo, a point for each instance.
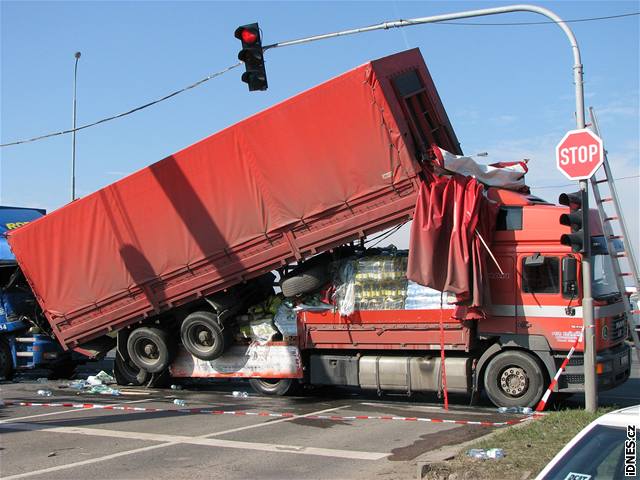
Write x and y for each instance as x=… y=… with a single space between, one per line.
x=249 y=35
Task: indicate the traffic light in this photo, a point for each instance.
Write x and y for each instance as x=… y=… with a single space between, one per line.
x=252 y=55
x=574 y=219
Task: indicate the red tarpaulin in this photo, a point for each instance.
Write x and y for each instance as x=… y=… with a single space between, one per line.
x=445 y=252
x=322 y=168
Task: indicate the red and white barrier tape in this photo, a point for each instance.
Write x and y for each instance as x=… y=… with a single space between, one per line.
x=209 y=411
x=543 y=401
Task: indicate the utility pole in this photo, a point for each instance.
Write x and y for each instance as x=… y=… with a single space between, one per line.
x=591 y=397
x=73 y=134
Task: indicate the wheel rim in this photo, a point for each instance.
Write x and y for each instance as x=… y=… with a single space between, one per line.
x=514 y=381
x=147 y=351
x=202 y=337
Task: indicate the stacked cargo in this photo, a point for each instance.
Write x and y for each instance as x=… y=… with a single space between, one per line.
x=379 y=282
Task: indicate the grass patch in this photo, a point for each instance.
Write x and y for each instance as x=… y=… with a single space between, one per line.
x=528 y=448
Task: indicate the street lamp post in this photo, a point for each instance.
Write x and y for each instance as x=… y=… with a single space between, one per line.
x=73 y=140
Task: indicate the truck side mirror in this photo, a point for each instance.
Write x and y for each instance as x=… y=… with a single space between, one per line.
x=569 y=277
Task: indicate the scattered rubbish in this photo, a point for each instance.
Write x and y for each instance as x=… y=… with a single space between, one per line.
x=104 y=390
x=93 y=380
x=105 y=378
x=42 y=380
x=523 y=410
x=238 y=394
x=180 y=403
x=77 y=384
x=51 y=454
x=45 y=393
x=484 y=454
x=176 y=387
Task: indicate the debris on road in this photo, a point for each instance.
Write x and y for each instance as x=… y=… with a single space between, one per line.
x=484 y=454
x=180 y=403
x=523 y=410
x=45 y=393
x=176 y=387
x=238 y=394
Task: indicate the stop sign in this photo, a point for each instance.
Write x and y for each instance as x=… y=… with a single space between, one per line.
x=579 y=154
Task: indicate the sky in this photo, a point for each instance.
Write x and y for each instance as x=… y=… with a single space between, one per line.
x=508 y=90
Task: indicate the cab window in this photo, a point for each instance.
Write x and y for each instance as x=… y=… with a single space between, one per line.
x=540 y=274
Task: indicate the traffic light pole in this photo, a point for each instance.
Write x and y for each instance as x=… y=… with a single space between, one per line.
x=591 y=399
x=590 y=384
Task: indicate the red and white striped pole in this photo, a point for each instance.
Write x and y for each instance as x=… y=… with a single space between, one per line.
x=545 y=397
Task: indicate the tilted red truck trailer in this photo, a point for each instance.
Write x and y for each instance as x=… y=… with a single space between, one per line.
x=325 y=167
x=154 y=255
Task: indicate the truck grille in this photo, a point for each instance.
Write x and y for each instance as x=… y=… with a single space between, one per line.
x=618 y=327
x=576 y=361
x=575 y=378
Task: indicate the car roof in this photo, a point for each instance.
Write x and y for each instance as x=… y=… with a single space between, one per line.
x=620 y=418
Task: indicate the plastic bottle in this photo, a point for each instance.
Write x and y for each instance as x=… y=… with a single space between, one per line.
x=45 y=393
x=523 y=410
x=238 y=394
x=180 y=403
x=481 y=453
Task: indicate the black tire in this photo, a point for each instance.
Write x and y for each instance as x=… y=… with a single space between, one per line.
x=6 y=362
x=306 y=281
x=514 y=379
x=128 y=373
x=148 y=348
x=202 y=335
x=273 y=387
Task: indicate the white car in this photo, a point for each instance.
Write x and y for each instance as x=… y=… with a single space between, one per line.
x=606 y=449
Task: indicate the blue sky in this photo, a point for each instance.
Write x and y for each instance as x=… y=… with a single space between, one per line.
x=508 y=90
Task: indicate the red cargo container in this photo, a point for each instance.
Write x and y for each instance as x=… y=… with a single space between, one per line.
x=325 y=167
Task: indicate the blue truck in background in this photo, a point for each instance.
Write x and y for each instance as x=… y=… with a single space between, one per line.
x=24 y=345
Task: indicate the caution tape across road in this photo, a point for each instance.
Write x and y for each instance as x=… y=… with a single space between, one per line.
x=209 y=411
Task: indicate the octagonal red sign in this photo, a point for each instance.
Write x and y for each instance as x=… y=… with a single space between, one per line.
x=579 y=154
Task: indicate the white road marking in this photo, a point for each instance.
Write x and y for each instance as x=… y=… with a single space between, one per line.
x=211 y=442
x=86 y=462
x=268 y=424
x=119 y=434
x=9 y=420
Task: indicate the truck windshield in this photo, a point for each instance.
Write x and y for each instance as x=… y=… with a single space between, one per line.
x=604 y=281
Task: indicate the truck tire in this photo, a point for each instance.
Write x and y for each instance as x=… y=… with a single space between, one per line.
x=148 y=348
x=203 y=336
x=128 y=373
x=273 y=387
x=306 y=281
x=6 y=361
x=514 y=379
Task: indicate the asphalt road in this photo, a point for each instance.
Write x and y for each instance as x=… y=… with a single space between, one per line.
x=80 y=443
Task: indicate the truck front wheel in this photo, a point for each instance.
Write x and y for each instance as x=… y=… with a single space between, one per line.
x=148 y=348
x=514 y=379
x=6 y=362
x=273 y=387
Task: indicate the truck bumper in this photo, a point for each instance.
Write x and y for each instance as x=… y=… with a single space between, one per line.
x=616 y=368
